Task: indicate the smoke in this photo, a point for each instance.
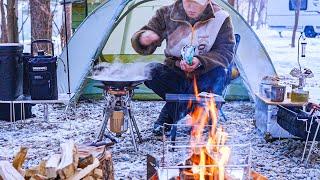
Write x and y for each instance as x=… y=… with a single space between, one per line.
x=121 y=71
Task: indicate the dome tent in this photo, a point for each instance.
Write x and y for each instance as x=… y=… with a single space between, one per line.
x=108 y=30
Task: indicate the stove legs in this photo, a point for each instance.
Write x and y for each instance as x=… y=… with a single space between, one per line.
x=135 y=125
x=132 y=134
x=108 y=110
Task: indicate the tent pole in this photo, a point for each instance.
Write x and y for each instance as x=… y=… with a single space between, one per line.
x=67 y=49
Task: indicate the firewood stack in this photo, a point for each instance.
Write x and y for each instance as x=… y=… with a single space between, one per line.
x=74 y=163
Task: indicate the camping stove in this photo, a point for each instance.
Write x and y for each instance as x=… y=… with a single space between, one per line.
x=117 y=115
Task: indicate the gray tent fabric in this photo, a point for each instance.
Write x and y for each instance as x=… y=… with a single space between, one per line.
x=86 y=45
x=95 y=33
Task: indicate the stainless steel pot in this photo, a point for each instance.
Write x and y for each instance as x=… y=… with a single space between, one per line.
x=277 y=93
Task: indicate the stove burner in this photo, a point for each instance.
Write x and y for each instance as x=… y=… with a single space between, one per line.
x=117 y=115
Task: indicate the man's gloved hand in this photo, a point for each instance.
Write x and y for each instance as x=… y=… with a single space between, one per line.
x=187 y=68
x=148 y=37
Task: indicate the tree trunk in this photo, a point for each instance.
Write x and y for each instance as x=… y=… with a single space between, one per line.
x=253 y=12
x=232 y=2
x=4 y=32
x=41 y=23
x=262 y=7
x=12 y=21
x=296 y=22
x=249 y=10
x=238 y=4
x=69 y=25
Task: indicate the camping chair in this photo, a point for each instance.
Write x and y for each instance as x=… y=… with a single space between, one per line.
x=310 y=32
x=231 y=67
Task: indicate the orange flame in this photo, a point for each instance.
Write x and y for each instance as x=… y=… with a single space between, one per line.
x=214 y=143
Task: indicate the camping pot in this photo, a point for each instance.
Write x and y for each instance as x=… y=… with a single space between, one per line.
x=277 y=93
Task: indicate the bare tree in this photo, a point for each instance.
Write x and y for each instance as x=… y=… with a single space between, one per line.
x=262 y=7
x=4 y=32
x=232 y=2
x=68 y=23
x=41 y=22
x=12 y=21
x=296 y=22
x=249 y=10
x=253 y=12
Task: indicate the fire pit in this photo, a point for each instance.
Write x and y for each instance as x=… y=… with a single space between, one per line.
x=195 y=159
x=117 y=113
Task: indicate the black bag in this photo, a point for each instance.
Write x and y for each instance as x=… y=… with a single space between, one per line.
x=5 y=111
x=43 y=74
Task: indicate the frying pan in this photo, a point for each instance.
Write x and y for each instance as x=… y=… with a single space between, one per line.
x=118 y=83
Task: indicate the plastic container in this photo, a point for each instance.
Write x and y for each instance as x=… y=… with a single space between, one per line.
x=299 y=95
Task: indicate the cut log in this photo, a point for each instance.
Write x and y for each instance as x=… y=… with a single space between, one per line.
x=42 y=168
x=38 y=177
x=52 y=166
x=84 y=172
x=88 y=178
x=84 y=162
x=7 y=171
x=32 y=172
x=98 y=174
x=106 y=164
x=86 y=150
x=20 y=158
x=69 y=160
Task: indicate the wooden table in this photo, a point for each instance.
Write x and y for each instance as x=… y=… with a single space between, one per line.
x=285 y=102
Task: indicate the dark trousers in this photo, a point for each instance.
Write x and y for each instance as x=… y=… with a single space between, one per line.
x=166 y=80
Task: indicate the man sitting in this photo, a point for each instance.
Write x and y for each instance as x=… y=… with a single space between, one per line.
x=197 y=25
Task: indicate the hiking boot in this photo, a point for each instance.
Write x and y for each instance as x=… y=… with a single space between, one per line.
x=163 y=118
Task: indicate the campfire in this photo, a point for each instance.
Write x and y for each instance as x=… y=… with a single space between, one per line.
x=207 y=161
x=208 y=151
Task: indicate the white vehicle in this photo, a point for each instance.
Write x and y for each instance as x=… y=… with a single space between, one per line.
x=281 y=14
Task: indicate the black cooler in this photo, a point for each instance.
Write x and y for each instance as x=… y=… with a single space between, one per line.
x=11 y=80
x=11 y=71
x=43 y=74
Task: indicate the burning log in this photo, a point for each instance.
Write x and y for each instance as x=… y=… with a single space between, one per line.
x=198 y=161
x=7 y=171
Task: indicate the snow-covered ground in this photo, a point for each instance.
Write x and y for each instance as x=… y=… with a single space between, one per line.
x=276 y=160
